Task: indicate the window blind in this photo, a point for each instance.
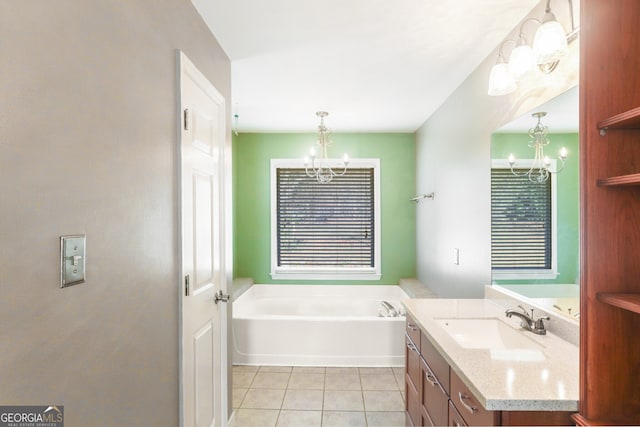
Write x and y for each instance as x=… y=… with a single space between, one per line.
x=325 y=225
x=520 y=221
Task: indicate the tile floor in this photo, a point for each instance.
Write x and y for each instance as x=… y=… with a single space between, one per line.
x=276 y=396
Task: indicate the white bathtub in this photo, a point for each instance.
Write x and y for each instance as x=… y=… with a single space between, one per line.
x=317 y=325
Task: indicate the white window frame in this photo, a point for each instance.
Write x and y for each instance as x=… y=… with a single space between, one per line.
x=321 y=272
x=534 y=274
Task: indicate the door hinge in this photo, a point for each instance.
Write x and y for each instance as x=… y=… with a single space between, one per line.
x=185 y=118
x=186 y=285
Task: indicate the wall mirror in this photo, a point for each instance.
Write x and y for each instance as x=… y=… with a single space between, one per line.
x=535 y=219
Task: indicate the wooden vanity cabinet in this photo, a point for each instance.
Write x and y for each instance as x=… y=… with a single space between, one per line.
x=436 y=396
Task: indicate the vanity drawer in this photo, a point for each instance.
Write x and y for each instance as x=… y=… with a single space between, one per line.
x=436 y=362
x=412 y=362
x=466 y=403
x=413 y=330
x=434 y=398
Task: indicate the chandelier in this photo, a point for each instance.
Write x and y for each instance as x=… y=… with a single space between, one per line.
x=320 y=167
x=541 y=168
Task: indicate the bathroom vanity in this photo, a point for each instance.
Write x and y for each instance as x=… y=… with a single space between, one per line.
x=468 y=364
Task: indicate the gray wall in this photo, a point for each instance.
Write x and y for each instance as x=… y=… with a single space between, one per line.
x=453 y=160
x=88 y=145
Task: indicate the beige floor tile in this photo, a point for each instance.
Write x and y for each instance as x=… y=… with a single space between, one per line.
x=256 y=418
x=342 y=382
x=303 y=400
x=375 y=371
x=385 y=419
x=237 y=395
x=258 y=398
x=398 y=370
x=379 y=382
x=245 y=368
x=309 y=369
x=400 y=381
x=303 y=381
x=279 y=369
x=337 y=400
x=270 y=380
x=299 y=419
x=342 y=370
x=343 y=419
x=387 y=401
x=242 y=379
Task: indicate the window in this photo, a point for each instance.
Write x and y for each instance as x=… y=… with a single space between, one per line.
x=523 y=225
x=325 y=231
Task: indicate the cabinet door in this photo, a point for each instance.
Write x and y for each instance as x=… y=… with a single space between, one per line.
x=455 y=419
x=434 y=398
x=412 y=382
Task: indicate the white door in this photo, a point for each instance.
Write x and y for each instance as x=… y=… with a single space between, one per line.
x=203 y=352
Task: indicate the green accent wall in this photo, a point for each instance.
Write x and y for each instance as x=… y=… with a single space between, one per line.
x=503 y=144
x=252 y=154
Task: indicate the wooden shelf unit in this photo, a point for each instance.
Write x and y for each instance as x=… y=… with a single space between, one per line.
x=609 y=217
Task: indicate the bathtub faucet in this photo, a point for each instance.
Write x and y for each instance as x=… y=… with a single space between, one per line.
x=391 y=312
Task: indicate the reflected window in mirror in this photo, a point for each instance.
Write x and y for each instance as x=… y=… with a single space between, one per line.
x=523 y=224
x=566 y=204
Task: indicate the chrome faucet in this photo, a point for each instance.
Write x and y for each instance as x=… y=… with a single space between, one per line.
x=528 y=322
x=392 y=312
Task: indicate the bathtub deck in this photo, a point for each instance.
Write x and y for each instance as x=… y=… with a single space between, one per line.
x=318 y=396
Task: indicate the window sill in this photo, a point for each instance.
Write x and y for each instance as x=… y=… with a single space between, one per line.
x=524 y=275
x=325 y=275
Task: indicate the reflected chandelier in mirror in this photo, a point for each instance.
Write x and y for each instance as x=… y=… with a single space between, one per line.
x=542 y=165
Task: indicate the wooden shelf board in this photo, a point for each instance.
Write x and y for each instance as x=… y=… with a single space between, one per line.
x=626 y=301
x=627 y=120
x=631 y=179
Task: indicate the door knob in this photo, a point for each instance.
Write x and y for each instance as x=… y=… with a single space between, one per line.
x=220 y=297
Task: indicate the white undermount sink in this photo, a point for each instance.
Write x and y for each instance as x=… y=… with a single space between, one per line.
x=504 y=342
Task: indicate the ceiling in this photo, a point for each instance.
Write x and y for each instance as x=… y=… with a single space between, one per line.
x=374 y=65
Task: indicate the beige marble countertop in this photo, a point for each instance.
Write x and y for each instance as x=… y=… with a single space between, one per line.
x=548 y=384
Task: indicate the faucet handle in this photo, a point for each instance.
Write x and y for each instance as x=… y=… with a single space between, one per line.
x=538 y=327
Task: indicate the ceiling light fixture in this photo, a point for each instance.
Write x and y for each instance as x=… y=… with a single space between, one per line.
x=550 y=44
x=522 y=59
x=323 y=172
x=541 y=168
x=501 y=81
x=550 y=41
